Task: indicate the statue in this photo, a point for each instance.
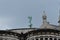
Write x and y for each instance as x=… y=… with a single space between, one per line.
x=30 y=20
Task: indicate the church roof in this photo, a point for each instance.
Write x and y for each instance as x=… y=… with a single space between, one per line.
x=49 y=26
x=45 y=25
x=22 y=30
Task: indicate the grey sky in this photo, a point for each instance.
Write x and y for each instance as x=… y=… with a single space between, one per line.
x=14 y=13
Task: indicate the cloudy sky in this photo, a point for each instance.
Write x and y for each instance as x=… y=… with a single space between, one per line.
x=14 y=13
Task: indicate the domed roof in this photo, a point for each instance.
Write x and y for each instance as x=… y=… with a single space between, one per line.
x=49 y=26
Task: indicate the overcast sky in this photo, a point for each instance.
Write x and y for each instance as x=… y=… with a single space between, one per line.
x=14 y=13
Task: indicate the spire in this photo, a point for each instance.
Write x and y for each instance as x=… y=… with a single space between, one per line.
x=59 y=18
x=44 y=17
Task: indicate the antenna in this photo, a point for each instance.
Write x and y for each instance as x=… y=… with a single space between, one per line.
x=30 y=21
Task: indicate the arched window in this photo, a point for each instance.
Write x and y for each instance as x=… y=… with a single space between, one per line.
x=58 y=39
x=36 y=39
x=41 y=38
x=46 y=38
x=50 y=38
x=55 y=39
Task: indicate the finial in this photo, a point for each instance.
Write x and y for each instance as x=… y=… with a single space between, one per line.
x=59 y=18
x=44 y=12
x=30 y=20
x=44 y=17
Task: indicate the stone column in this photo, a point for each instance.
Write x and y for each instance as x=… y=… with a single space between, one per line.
x=57 y=39
x=43 y=38
x=48 y=38
x=38 y=38
x=52 y=38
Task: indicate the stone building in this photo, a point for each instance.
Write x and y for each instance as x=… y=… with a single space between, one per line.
x=46 y=31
